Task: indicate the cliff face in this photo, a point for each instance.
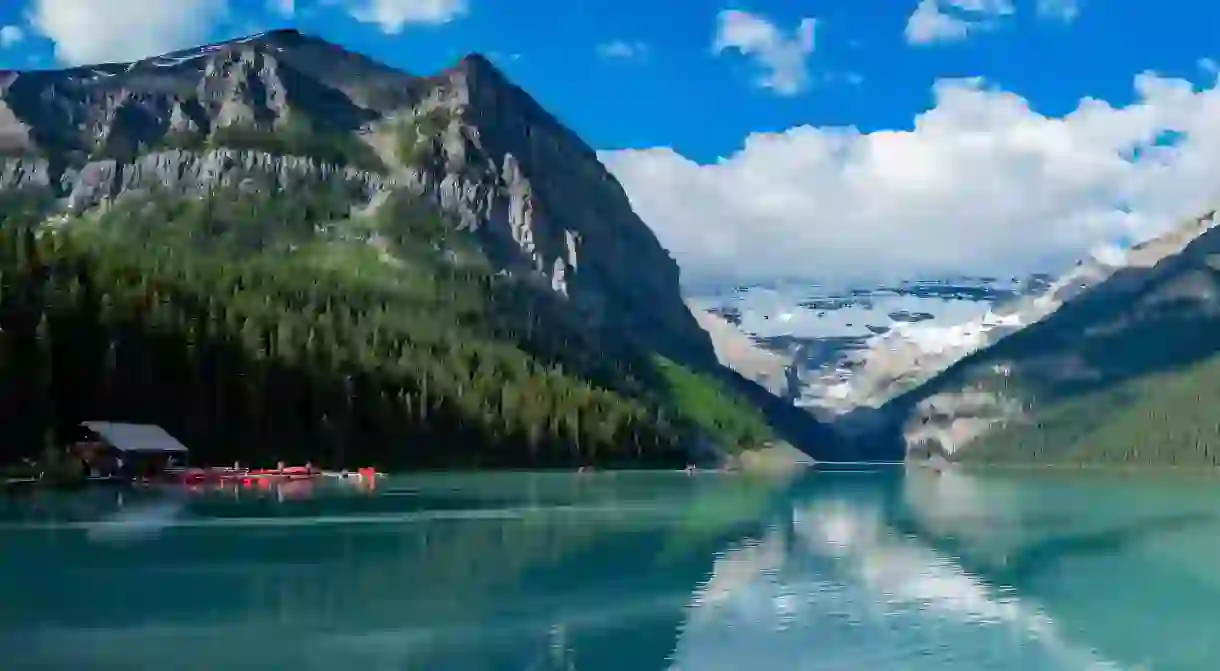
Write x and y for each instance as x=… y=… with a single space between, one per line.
x=182 y=173
x=735 y=350
x=490 y=153
x=281 y=108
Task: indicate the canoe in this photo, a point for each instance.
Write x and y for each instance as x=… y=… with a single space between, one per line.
x=294 y=471
x=16 y=482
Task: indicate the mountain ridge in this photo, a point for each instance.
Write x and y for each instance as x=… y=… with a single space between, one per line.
x=491 y=153
x=860 y=344
x=474 y=168
x=1027 y=380
x=1128 y=322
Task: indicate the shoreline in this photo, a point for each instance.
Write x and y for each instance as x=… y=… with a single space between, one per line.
x=1086 y=471
x=1086 y=467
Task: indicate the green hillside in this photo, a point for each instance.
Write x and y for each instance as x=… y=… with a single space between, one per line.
x=1128 y=373
x=266 y=325
x=1168 y=419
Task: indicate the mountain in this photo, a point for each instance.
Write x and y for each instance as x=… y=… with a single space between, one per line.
x=1116 y=364
x=860 y=345
x=1109 y=362
x=274 y=246
x=739 y=352
x=475 y=143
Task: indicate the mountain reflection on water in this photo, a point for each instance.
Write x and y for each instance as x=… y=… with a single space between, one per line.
x=885 y=569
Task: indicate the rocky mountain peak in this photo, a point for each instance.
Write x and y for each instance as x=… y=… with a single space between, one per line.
x=467 y=138
x=479 y=65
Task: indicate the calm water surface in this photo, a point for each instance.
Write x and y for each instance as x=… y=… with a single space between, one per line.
x=640 y=571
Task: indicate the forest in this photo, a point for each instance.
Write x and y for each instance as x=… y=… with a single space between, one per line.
x=261 y=326
x=1165 y=420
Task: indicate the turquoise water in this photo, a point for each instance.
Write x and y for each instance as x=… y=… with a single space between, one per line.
x=641 y=571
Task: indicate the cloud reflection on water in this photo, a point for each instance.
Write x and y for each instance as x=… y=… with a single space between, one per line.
x=846 y=590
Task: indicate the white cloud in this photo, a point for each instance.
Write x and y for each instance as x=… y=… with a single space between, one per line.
x=1059 y=10
x=285 y=8
x=929 y=24
x=982 y=183
x=11 y=36
x=953 y=20
x=782 y=58
x=90 y=31
x=394 y=15
x=623 y=50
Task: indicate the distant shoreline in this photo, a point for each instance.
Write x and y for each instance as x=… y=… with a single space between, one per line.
x=1141 y=468
x=1090 y=470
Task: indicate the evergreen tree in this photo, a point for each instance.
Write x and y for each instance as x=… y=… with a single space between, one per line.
x=231 y=323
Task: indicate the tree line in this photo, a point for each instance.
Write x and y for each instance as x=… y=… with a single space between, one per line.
x=228 y=321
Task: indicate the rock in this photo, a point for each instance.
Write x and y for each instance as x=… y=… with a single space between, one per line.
x=491 y=157
x=735 y=350
x=777 y=458
x=988 y=387
x=180 y=173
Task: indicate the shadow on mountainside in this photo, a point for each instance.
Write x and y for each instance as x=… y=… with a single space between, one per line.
x=1141 y=322
x=794 y=425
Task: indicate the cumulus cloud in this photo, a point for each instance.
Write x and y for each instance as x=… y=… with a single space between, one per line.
x=89 y=31
x=982 y=183
x=953 y=20
x=11 y=36
x=623 y=50
x=394 y=15
x=781 y=58
x=928 y=24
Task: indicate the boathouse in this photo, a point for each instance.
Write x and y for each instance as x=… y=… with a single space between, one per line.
x=128 y=450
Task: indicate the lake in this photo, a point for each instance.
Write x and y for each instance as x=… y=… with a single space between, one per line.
x=883 y=569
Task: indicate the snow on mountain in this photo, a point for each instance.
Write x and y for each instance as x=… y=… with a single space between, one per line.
x=741 y=353
x=870 y=360
x=846 y=343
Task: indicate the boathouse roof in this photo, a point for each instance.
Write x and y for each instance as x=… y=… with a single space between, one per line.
x=144 y=438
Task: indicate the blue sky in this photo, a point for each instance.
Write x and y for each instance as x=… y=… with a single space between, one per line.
x=682 y=95
x=681 y=104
